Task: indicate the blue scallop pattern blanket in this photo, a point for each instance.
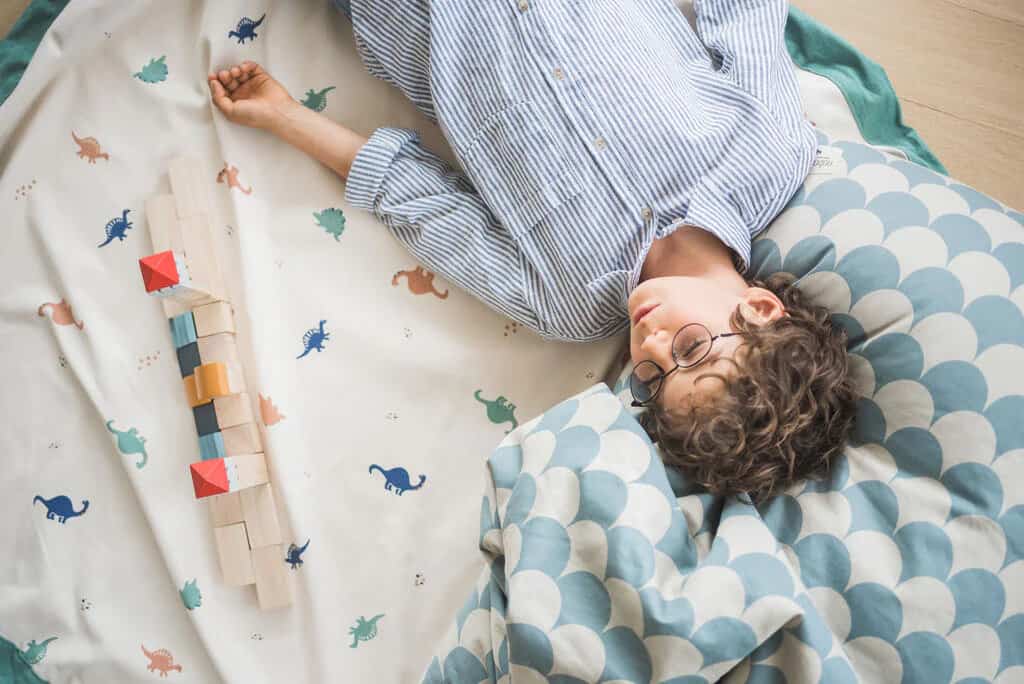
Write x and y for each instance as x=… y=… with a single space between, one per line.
x=906 y=565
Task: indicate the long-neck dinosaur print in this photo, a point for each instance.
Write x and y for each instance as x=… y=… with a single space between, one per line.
x=60 y=313
x=419 y=281
x=61 y=508
x=397 y=479
x=89 y=149
x=129 y=442
x=499 y=410
x=116 y=228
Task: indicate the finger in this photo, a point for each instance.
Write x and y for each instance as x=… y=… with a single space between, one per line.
x=225 y=76
x=220 y=98
x=236 y=72
x=233 y=85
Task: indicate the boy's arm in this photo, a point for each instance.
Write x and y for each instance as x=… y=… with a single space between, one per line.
x=750 y=37
x=327 y=141
x=426 y=205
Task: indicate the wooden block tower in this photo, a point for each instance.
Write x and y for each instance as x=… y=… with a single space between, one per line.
x=231 y=471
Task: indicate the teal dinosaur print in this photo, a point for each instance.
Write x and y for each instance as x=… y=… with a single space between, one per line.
x=60 y=508
x=154 y=72
x=246 y=29
x=129 y=442
x=34 y=653
x=499 y=410
x=116 y=228
x=397 y=479
x=332 y=221
x=190 y=595
x=13 y=668
x=314 y=339
x=295 y=554
x=364 y=629
x=317 y=100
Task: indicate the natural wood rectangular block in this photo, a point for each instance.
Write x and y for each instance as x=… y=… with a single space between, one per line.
x=271 y=581
x=234 y=554
x=162 y=218
x=213 y=318
x=260 y=516
x=226 y=509
x=241 y=439
x=232 y=410
x=221 y=347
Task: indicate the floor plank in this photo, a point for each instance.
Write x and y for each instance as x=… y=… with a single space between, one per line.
x=980 y=156
x=1010 y=10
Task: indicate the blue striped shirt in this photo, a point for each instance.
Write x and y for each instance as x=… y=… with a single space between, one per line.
x=585 y=131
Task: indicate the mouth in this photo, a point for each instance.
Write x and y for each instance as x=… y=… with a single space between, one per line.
x=643 y=311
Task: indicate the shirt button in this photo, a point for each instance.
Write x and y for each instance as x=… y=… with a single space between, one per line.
x=559 y=74
x=599 y=143
x=647 y=213
x=523 y=4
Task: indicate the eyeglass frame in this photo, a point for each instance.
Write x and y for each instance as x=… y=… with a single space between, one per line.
x=661 y=379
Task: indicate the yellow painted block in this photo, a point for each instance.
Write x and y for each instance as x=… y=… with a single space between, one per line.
x=191 y=393
x=211 y=381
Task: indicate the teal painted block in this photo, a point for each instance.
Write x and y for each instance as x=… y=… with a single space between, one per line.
x=183 y=329
x=211 y=446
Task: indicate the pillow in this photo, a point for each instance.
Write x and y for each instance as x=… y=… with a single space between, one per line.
x=924 y=511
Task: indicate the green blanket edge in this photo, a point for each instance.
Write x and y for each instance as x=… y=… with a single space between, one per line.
x=812 y=46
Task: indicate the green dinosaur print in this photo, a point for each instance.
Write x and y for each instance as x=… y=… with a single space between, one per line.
x=190 y=595
x=364 y=629
x=129 y=442
x=499 y=410
x=34 y=653
x=317 y=100
x=332 y=221
x=154 y=72
x=13 y=668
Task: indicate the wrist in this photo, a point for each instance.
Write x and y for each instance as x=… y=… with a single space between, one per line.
x=283 y=117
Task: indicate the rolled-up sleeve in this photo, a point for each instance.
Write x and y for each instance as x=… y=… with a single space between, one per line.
x=749 y=35
x=438 y=215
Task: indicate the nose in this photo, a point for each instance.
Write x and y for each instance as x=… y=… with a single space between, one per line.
x=654 y=346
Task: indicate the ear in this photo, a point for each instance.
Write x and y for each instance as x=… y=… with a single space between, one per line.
x=761 y=306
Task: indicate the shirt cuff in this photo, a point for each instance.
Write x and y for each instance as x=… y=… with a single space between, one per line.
x=372 y=163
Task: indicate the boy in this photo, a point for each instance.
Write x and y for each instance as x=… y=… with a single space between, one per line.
x=617 y=165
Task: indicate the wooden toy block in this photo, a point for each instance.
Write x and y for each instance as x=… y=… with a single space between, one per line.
x=188 y=358
x=163 y=223
x=211 y=446
x=213 y=318
x=191 y=395
x=197 y=236
x=206 y=420
x=220 y=347
x=226 y=509
x=232 y=410
x=241 y=439
x=160 y=270
x=183 y=331
x=211 y=380
x=234 y=554
x=228 y=474
x=186 y=175
x=260 y=516
x=271 y=580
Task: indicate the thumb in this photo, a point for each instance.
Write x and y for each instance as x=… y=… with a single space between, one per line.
x=220 y=96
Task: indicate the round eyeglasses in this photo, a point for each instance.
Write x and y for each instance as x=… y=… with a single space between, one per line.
x=690 y=346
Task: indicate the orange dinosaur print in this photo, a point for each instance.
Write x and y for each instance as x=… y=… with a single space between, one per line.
x=160 y=661
x=61 y=313
x=89 y=148
x=231 y=173
x=269 y=412
x=420 y=281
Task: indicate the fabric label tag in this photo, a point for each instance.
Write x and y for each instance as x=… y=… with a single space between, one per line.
x=827 y=160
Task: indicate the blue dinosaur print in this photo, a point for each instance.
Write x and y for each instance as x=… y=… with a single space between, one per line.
x=246 y=29
x=295 y=554
x=397 y=479
x=314 y=339
x=61 y=508
x=116 y=228
x=153 y=72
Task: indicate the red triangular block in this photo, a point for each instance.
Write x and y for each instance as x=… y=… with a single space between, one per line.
x=209 y=477
x=159 y=271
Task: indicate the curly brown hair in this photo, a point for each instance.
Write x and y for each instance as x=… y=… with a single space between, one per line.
x=783 y=417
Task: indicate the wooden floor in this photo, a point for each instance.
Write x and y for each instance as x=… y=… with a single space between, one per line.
x=957 y=66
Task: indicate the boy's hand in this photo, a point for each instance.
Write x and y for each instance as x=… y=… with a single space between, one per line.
x=248 y=95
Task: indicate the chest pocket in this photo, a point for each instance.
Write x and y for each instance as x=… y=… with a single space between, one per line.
x=518 y=167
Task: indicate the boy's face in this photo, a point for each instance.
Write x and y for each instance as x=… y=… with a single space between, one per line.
x=679 y=300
